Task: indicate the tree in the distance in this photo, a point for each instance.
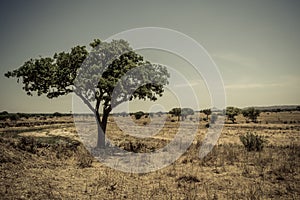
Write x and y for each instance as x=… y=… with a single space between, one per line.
x=93 y=76
x=232 y=112
x=176 y=112
x=185 y=112
x=251 y=113
x=207 y=112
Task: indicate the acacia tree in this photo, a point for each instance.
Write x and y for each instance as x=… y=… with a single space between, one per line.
x=176 y=112
x=251 y=113
x=185 y=112
x=207 y=112
x=232 y=112
x=94 y=75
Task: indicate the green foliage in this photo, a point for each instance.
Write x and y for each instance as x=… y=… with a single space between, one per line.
x=14 y=117
x=23 y=115
x=57 y=114
x=176 y=112
x=51 y=76
x=207 y=112
x=56 y=76
x=95 y=76
x=251 y=113
x=253 y=142
x=232 y=112
x=139 y=114
x=4 y=115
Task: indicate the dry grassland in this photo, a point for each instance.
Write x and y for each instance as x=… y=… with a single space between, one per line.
x=48 y=162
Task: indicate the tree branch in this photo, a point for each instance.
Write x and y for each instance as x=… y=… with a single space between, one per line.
x=86 y=102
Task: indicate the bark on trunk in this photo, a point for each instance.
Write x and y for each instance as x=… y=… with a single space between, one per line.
x=101 y=132
x=101 y=143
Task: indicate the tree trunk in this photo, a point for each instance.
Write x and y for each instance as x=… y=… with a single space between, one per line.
x=102 y=127
x=101 y=132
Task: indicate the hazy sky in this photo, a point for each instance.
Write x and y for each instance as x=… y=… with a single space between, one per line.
x=255 y=44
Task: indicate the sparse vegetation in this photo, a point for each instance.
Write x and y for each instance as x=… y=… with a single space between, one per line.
x=139 y=114
x=251 y=113
x=253 y=142
x=207 y=112
x=186 y=112
x=232 y=112
x=176 y=112
x=51 y=163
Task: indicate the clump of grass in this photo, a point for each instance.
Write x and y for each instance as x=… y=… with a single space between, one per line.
x=253 y=142
x=189 y=179
x=85 y=160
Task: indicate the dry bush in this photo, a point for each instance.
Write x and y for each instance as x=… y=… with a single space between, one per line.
x=253 y=142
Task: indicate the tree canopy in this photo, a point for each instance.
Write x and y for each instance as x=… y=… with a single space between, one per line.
x=207 y=112
x=232 y=112
x=251 y=113
x=185 y=112
x=176 y=112
x=105 y=76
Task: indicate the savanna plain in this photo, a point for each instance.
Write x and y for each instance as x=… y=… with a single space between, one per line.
x=43 y=158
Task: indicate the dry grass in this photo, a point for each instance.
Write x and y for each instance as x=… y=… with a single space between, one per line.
x=53 y=165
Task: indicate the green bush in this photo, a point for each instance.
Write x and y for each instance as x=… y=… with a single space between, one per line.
x=28 y=144
x=4 y=117
x=253 y=142
x=57 y=114
x=14 y=117
x=139 y=114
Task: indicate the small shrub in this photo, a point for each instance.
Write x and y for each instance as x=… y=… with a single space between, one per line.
x=85 y=161
x=139 y=114
x=253 y=142
x=57 y=114
x=14 y=117
x=189 y=179
x=3 y=117
x=43 y=118
x=28 y=144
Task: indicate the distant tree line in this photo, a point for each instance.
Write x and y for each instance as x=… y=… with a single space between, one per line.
x=231 y=112
x=4 y=115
